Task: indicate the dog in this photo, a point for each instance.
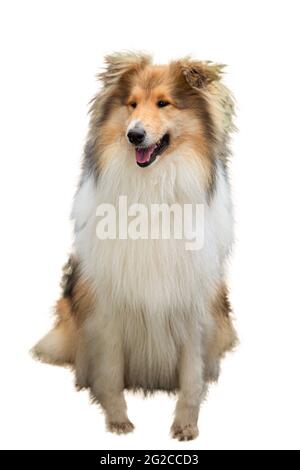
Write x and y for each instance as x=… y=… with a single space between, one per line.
x=149 y=314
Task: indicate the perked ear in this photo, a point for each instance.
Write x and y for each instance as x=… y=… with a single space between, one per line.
x=118 y=64
x=200 y=74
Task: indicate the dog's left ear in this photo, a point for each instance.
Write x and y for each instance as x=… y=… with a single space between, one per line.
x=119 y=64
x=200 y=74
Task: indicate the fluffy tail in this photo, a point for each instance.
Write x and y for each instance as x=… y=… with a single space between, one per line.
x=59 y=345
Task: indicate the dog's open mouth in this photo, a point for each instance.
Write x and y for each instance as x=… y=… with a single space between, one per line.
x=147 y=155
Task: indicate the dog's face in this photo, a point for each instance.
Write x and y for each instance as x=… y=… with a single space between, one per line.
x=153 y=118
x=154 y=110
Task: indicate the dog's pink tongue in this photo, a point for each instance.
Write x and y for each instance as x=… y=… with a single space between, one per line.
x=144 y=155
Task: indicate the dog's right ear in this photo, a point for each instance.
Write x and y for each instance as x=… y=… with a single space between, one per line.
x=119 y=64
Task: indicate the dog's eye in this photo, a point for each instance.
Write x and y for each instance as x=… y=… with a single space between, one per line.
x=162 y=103
x=133 y=105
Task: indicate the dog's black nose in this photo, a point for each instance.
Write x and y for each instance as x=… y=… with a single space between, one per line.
x=136 y=136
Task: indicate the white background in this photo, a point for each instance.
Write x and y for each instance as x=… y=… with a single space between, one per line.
x=50 y=53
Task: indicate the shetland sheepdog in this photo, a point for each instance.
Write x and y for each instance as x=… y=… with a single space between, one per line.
x=145 y=313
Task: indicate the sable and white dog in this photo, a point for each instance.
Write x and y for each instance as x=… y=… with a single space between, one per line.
x=140 y=313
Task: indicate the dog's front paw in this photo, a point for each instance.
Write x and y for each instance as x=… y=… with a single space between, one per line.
x=122 y=427
x=186 y=432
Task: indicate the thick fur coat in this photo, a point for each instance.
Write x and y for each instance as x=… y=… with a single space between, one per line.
x=148 y=313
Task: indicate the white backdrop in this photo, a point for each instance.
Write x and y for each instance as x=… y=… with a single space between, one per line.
x=50 y=53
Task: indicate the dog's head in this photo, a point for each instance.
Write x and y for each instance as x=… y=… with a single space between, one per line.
x=153 y=110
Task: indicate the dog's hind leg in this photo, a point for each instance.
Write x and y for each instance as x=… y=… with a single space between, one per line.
x=223 y=337
x=59 y=345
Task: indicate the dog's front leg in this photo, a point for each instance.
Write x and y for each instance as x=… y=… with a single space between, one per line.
x=106 y=379
x=192 y=390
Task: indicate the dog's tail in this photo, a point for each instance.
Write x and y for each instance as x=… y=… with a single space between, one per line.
x=59 y=345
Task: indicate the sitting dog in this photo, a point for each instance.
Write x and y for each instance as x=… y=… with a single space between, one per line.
x=141 y=312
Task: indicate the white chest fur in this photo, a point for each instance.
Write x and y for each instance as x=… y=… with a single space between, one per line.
x=152 y=288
